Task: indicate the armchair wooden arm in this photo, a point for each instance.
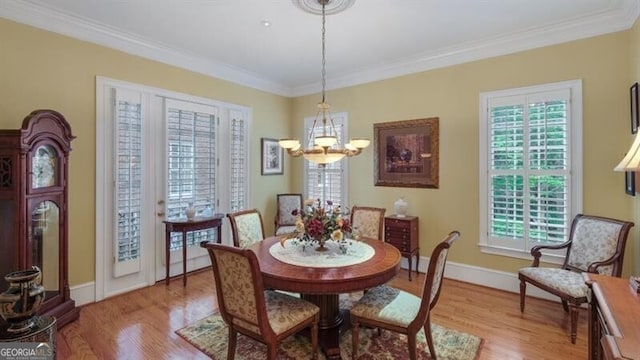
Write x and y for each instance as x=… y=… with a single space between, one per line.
x=537 y=253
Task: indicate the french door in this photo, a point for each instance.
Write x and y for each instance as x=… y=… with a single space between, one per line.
x=158 y=154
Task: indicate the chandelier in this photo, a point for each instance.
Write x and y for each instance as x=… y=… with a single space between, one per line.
x=324 y=148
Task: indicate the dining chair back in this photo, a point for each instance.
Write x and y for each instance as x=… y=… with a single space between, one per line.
x=285 y=220
x=246 y=227
x=596 y=244
x=246 y=308
x=368 y=221
x=385 y=307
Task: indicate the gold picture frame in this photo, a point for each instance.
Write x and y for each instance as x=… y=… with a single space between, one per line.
x=406 y=153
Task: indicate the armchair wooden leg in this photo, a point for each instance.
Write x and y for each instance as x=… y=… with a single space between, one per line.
x=523 y=291
x=574 y=323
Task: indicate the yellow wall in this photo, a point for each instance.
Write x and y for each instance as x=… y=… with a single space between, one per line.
x=452 y=94
x=40 y=69
x=634 y=41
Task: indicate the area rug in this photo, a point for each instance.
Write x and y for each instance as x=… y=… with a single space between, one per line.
x=209 y=335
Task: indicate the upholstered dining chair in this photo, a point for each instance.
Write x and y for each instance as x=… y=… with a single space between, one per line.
x=596 y=244
x=368 y=221
x=385 y=307
x=247 y=308
x=285 y=221
x=246 y=227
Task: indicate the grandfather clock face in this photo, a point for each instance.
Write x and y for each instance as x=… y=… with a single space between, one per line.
x=44 y=167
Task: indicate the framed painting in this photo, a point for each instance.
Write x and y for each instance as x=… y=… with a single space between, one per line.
x=406 y=153
x=272 y=157
x=635 y=117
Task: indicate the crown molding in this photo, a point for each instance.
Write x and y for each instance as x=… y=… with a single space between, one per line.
x=53 y=20
x=620 y=18
x=552 y=34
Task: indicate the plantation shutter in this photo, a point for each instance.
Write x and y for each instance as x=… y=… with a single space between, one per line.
x=529 y=167
x=128 y=176
x=191 y=165
x=238 y=159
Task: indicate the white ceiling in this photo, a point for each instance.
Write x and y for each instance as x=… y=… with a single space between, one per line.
x=372 y=40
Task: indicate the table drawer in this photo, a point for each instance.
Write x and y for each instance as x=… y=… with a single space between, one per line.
x=397 y=223
x=397 y=233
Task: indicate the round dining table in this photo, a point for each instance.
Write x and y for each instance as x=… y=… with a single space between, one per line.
x=322 y=285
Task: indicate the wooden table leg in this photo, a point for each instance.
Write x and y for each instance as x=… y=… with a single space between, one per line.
x=184 y=258
x=167 y=242
x=333 y=322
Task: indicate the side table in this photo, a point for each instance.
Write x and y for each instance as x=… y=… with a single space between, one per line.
x=402 y=232
x=43 y=331
x=183 y=226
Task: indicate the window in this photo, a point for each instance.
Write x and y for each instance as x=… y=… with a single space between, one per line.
x=530 y=166
x=327 y=182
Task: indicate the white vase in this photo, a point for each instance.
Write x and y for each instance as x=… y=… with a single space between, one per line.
x=400 y=206
x=190 y=211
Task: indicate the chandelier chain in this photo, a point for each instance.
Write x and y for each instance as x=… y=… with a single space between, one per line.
x=324 y=71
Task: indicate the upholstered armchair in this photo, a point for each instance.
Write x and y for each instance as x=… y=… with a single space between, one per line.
x=246 y=227
x=368 y=221
x=286 y=222
x=596 y=244
x=385 y=307
x=266 y=316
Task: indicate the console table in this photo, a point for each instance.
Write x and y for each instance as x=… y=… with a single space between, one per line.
x=402 y=232
x=614 y=314
x=183 y=226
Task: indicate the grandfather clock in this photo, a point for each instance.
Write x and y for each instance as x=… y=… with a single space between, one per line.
x=34 y=170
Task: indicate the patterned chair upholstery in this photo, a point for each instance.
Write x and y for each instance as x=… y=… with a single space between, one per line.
x=266 y=316
x=246 y=227
x=367 y=221
x=286 y=222
x=596 y=244
x=385 y=307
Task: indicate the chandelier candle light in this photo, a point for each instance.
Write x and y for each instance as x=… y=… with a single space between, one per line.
x=325 y=148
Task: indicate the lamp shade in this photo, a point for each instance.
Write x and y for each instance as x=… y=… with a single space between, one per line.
x=631 y=161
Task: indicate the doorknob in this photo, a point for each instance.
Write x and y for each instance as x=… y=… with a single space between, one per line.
x=160 y=202
x=160 y=214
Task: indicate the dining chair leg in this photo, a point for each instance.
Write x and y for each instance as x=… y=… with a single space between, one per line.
x=427 y=334
x=231 y=349
x=272 y=350
x=355 y=329
x=413 y=350
x=314 y=338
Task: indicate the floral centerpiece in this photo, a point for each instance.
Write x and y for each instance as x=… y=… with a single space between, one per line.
x=316 y=224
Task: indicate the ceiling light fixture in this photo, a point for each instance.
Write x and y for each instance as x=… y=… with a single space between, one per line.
x=324 y=148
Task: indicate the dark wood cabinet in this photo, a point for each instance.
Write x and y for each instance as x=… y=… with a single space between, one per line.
x=614 y=314
x=402 y=232
x=33 y=207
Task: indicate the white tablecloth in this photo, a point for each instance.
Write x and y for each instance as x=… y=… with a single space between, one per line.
x=297 y=254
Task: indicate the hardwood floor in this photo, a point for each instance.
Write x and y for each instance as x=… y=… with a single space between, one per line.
x=142 y=324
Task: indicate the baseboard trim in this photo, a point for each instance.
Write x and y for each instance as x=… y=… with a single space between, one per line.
x=86 y=293
x=496 y=279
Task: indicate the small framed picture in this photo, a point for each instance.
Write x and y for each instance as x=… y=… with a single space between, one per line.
x=272 y=157
x=635 y=116
x=630 y=183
